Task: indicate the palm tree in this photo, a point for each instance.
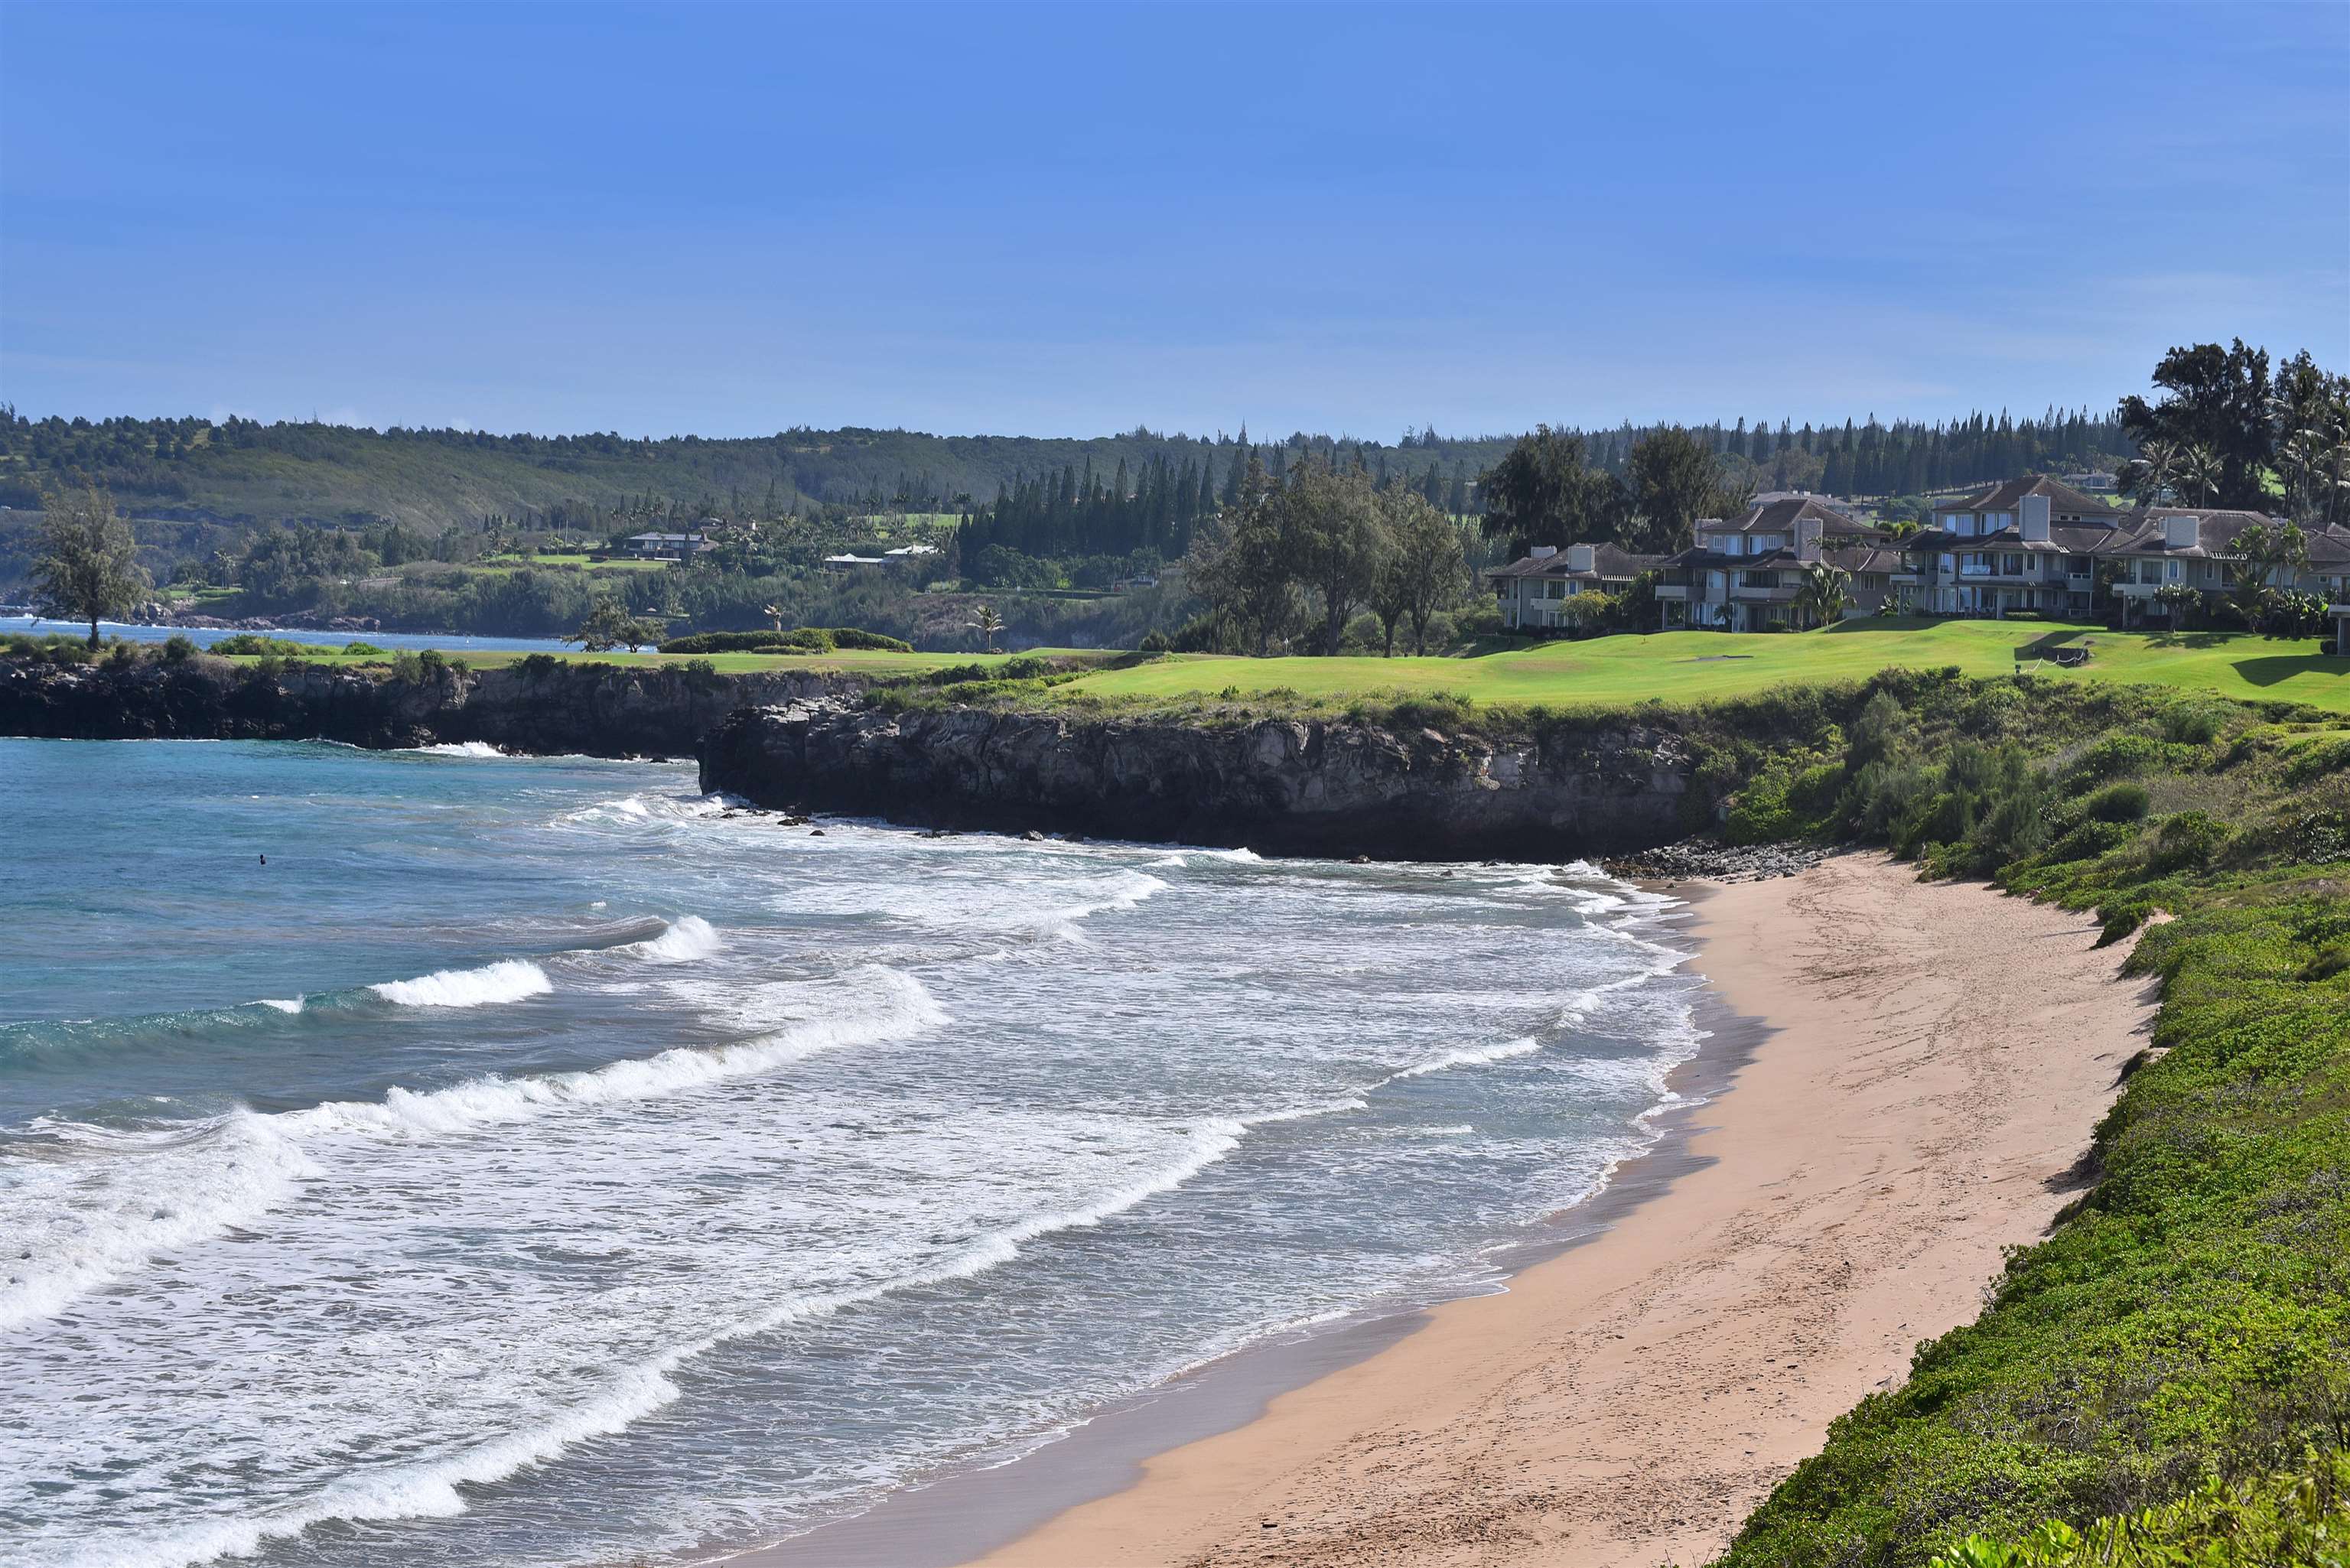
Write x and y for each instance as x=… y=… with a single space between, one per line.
x=2150 y=475
x=2201 y=472
x=2270 y=554
x=988 y=624
x=1823 y=594
x=775 y=613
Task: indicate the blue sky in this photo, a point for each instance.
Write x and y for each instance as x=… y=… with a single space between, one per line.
x=1071 y=219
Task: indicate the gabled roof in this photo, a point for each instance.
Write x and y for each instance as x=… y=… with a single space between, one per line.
x=1780 y=515
x=2219 y=529
x=2329 y=547
x=1609 y=563
x=2009 y=493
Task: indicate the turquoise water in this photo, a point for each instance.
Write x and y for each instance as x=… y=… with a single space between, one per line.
x=532 y=1163
x=205 y=636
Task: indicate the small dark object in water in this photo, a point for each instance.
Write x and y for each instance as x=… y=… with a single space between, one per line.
x=265 y=860
x=1360 y=860
x=1033 y=837
x=815 y=833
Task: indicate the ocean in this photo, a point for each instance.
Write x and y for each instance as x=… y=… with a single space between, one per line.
x=205 y=636
x=533 y=1162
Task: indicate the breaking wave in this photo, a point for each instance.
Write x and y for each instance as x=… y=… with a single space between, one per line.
x=508 y=980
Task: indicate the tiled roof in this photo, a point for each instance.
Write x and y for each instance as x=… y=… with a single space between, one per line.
x=2009 y=493
x=1609 y=563
x=1780 y=516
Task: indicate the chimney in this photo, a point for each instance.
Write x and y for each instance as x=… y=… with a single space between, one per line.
x=2181 y=533
x=1582 y=557
x=1808 y=534
x=2035 y=518
x=1542 y=551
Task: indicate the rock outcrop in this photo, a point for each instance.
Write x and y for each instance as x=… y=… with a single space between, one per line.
x=1298 y=786
x=600 y=709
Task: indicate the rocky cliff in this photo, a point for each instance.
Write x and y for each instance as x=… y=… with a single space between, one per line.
x=602 y=710
x=1279 y=786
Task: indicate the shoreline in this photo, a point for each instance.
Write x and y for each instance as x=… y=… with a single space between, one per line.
x=1631 y=1397
x=966 y=1511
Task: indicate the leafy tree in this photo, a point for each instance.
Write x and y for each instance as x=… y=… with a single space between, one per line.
x=1543 y=492
x=1672 y=480
x=88 y=568
x=1425 y=562
x=2219 y=404
x=1335 y=542
x=1243 y=563
x=608 y=625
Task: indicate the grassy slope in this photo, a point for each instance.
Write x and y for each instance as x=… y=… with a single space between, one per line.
x=1699 y=666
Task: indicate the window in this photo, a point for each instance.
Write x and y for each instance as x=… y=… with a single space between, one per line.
x=2173 y=572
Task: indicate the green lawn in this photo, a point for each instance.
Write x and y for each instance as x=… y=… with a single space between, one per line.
x=621 y=564
x=1613 y=671
x=1696 y=665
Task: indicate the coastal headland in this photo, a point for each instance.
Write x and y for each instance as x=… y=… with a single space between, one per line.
x=1629 y=1401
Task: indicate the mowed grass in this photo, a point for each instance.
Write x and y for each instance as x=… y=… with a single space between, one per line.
x=1686 y=667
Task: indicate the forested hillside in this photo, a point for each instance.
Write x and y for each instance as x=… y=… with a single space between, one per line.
x=243 y=471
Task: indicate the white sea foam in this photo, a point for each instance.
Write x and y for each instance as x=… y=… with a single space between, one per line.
x=687 y=938
x=282 y=1003
x=461 y=749
x=870 y=1005
x=110 y=1201
x=430 y=1489
x=1467 y=1057
x=508 y=980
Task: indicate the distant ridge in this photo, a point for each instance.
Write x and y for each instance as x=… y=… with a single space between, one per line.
x=239 y=471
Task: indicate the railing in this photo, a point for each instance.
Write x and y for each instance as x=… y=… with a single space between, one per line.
x=1673 y=591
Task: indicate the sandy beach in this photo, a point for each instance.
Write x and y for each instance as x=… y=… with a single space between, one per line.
x=1933 y=1060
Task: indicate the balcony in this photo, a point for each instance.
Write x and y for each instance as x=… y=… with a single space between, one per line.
x=1761 y=595
x=1679 y=592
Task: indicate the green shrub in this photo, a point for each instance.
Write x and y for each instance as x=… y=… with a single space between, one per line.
x=2187 y=841
x=2329 y=960
x=2314 y=762
x=2193 y=723
x=178 y=648
x=2268 y=1521
x=537 y=665
x=2088 y=840
x=2117 y=803
x=2115 y=757
x=252 y=643
x=365 y=650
